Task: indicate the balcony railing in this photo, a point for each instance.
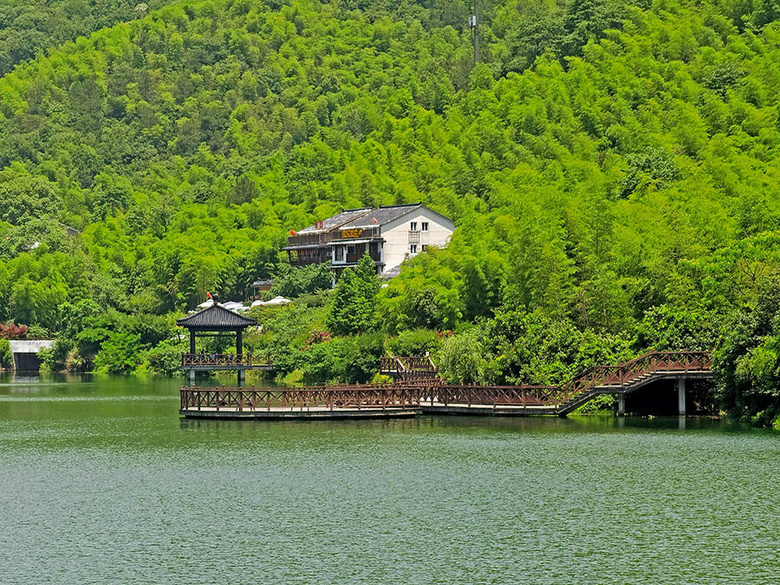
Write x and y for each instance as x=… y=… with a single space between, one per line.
x=357 y=234
x=356 y=256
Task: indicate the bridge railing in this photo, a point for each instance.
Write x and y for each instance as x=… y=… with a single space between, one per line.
x=347 y=396
x=623 y=374
x=406 y=364
x=218 y=359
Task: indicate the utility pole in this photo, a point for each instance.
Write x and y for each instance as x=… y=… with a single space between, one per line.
x=474 y=24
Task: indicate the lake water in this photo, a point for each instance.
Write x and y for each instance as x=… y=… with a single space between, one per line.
x=102 y=482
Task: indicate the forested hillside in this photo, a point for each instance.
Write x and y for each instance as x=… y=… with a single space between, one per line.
x=612 y=169
x=28 y=27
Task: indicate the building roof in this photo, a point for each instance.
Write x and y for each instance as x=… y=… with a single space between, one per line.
x=334 y=221
x=216 y=317
x=381 y=216
x=29 y=345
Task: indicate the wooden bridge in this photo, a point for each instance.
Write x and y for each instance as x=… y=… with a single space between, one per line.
x=429 y=394
x=408 y=367
x=625 y=378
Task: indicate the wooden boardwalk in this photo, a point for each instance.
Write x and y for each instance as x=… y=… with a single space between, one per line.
x=347 y=401
x=429 y=394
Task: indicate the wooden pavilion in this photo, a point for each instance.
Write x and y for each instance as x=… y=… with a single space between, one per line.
x=217 y=321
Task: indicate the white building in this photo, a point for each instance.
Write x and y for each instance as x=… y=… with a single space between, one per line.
x=390 y=235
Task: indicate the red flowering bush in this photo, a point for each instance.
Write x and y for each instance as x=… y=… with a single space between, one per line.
x=13 y=331
x=317 y=337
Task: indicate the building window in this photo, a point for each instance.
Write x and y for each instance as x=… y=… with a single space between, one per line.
x=424 y=247
x=425 y=226
x=413 y=226
x=413 y=248
x=339 y=253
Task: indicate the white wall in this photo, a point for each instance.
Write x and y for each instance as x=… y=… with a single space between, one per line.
x=396 y=235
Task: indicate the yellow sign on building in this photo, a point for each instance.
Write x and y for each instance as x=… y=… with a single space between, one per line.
x=353 y=233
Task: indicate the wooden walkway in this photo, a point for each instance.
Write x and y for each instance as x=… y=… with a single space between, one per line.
x=429 y=394
x=347 y=401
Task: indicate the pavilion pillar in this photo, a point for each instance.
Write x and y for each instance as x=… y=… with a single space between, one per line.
x=681 y=396
x=192 y=341
x=239 y=354
x=621 y=405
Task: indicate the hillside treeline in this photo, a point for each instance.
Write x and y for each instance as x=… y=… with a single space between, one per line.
x=611 y=168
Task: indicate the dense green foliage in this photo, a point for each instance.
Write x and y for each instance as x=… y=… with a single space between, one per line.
x=5 y=354
x=611 y=168
x=28 y=27
x=750 y=358
x=353 y=310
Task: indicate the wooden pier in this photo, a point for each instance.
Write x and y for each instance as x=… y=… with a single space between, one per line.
x=428 y=394
x=348 y=401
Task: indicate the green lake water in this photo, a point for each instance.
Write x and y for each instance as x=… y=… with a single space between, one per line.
x=102 y=482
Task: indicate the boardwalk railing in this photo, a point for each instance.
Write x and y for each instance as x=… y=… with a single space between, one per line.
x=218 y=359
x=414 y=392
x=484 y=395
x=599 y=379
x=628 y=373
x=332 y=397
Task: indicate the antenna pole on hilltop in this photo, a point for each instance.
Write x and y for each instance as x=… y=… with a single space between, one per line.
x=474 y=24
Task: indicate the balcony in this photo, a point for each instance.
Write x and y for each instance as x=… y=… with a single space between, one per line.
x=355 y=257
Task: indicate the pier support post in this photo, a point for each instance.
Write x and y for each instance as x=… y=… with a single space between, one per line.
x=681 y=396
x=192 y=377
x=621 y=405
x=241 y=378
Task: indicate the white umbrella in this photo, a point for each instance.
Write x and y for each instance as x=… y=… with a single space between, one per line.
x=278 y=301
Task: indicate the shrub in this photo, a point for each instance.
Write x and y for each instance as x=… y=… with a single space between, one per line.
x=164 y=359
x=415 y=342
x=344 y=359
x=55 y=359
x=13 y=331
x=119 y=354
x=6 y=358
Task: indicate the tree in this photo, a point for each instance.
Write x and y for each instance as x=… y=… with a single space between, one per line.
x=354 y=300
x=119 y=354
x=747 y=364
x=461 y=358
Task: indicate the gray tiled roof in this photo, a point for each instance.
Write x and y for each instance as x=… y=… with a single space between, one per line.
x=216 y=317
x=335 y=221
x=382 y=216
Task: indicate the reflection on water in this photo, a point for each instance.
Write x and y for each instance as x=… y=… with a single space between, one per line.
x=101 y=481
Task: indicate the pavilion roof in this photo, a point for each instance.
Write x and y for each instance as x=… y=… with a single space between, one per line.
x=216 y=317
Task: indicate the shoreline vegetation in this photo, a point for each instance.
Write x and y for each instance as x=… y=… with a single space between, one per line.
x=610 y=168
